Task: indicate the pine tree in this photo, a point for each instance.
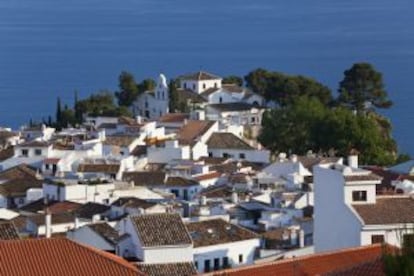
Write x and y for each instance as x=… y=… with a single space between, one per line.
x=58 y=113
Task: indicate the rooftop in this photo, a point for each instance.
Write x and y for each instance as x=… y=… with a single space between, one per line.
x=316 y=264
x=59 y=257
x=199 y=76
x=172 y=269
x=217 y=231
x=105 y=231
x=133 y=202
x=227 y=140
x=161 y=230
x=387 y=210
x=192 y=130
x=8 y=231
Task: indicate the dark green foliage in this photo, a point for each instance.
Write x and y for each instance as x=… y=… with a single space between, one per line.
x=101 y=104
x=403 y=157
x=401 y=262
x=363 y=84
x=173 y=96
x=232 y=79
x=146 y=85
x=307 y=124
x=128 y=89
x=58 y=110
x=285 y=89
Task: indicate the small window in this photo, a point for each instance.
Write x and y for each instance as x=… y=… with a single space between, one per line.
x=377 y=239
x=25 y=152
x=220 y=99
x=253 y=119
x=215 y=85
x=38 y=152
x=210 y=154
x=225 y=262
x=242 y=156
x=216 y=264
x=359 y=195
x=225 y=155
x=47 y=166
x=196 y=265
x=207 y=266
x=240 y=258
x=204 y=86
x=185 y=85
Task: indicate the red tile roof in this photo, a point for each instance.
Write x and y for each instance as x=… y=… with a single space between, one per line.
x=59 y=257
x=207 y=176
x=316 y=264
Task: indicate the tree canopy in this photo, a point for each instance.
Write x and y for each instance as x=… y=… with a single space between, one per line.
x=128 y=89
x=361 y=87
x=310 y=125
x=232 y=79
x=284 y=89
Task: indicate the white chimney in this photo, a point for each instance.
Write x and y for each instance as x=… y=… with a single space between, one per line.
x=353 y=161
x=203 y=200
x=294 y=158
x=77 y=223
x=234 y=198
x=301 y=238
x=48 y=224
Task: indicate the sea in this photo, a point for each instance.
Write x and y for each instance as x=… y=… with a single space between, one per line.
x=51 y=48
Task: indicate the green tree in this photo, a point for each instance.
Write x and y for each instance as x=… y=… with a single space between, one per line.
x=128 y=89
x=363 y=85
x=58 y=111
x=232 y=79
x=285 y=89
x=78 y=112
x=307 y=124
x=173 y=96
x=146 y=85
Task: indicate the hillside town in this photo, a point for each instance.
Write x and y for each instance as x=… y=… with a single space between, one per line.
x=192 y=193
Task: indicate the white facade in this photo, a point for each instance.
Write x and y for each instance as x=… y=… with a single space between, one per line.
x=237 y=253
x=132 y=247
x=260 y=156
x=171 y=150
x=199 y=86
x=87 y=236
x=153 y=104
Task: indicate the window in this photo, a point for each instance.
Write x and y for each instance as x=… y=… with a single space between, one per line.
x=204 y=86
x=377 y=239
x=226 y=262
x=242 y=156
x=252 y=119
x=408 y=243
x=38 y=152
x=220 y=99
x=47 y=166
x=225 y=155
x=25 y=152
x=215 y=85
x=196 y=265
x=359 y=196
x=207 y=266
x=185 y=85
x=216 y=264
x=240 y=258
x=210 y=154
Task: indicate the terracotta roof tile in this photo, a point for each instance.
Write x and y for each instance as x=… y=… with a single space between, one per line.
x=8 y=231
x=145 y=178
x=161 y=230
x=189 y=133
x=90 y=209
x=368 y=177
x=316 y=264
x=178 y=181
x=133 y=202
x=200 y=75
x=174 y=117
x=172 y=269
x=370 y=268
x=59 y=257
x=207 y=176
x=227 y=140
x=119 y=140
x=387 y=210
x=99 y=168
x=217 y=231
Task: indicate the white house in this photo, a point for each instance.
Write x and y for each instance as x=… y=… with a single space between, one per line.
x=153 y=104
x=228 y=145
x=348 y=213
x=219 y=244
x=155 y=238
x=99 y=235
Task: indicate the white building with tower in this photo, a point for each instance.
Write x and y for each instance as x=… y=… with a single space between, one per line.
x=153 y=104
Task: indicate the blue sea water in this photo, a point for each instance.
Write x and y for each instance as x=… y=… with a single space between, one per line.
x=49 y=48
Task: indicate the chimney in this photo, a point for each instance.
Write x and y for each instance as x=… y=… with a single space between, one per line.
x=234 y=198
x=301 y=238
x=203 y=200
x=48 y=224
x=294 y=158
x=353 y=158
x=77 y=223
